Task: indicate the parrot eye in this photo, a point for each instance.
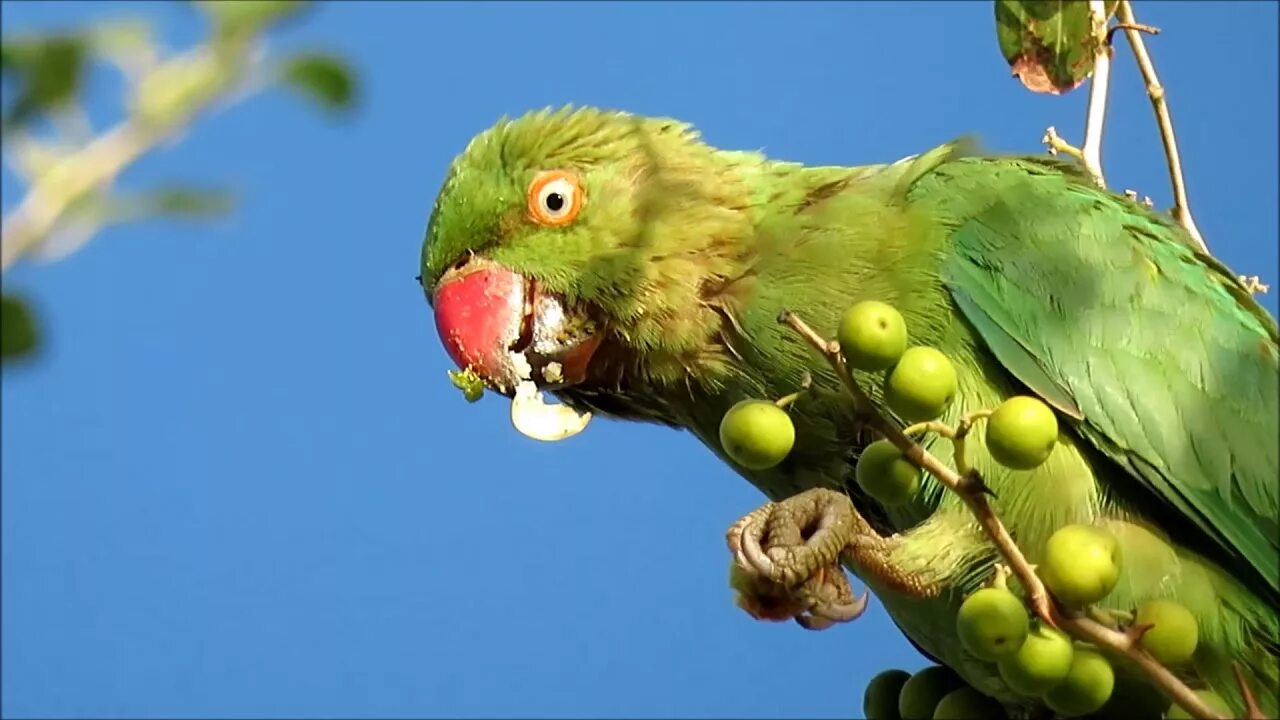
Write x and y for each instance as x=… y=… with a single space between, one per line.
x=555 y=198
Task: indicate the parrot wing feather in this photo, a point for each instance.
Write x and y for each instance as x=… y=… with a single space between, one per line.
x=1167 y=366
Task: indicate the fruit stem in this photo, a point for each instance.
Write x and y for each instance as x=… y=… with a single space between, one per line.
x=1000 y=580
x=961 y=432
x=968 y=419
x=786 y=400
x=932 y=426
x=1111 y=618
x=1043 y=605
x=962 y=460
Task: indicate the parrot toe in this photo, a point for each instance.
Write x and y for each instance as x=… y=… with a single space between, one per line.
x=787 y=560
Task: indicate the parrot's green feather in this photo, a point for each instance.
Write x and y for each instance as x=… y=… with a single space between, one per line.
x=1013 y=354
x=1028 y=276
x=1115 y=312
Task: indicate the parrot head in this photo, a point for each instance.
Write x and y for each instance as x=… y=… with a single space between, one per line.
x=582 y=246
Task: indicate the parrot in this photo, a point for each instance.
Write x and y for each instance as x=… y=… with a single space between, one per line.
x=630 y=269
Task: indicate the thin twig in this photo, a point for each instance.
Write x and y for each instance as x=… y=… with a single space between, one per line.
x=964 y=485
x=95 y=165
x=1140 y=27
x=1057 y=145
x=971 y=491
x=1181 y=209
x=1091 y=151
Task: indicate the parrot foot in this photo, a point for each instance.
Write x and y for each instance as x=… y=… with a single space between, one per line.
x=787 y=560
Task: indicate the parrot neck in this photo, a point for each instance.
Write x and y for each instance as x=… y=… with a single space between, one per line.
x=768 y=236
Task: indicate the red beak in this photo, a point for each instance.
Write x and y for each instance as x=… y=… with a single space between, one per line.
x=496 y=322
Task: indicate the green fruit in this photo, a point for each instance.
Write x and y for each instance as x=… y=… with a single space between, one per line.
x=992 y=623
x=757 y=434
x=1211 y=698
x=886 y=475
x=1081 y=564
x=880 y=701
x=1087 y=686
x=1172 y=640
x=921 y=693
x=1042 y=662
x=872 y=335
x=1022 y=432
x=968 y=704
x=921 y=385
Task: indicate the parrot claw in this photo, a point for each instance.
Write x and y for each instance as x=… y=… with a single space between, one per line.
x=789 y=552
x=843 y=612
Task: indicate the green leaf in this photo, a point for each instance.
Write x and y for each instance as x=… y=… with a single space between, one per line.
x=237 y=17
x=323 y=78
x=18 y=334
x=48 y=71
x=1050 y=44
x=174 y=202
x=186 y=202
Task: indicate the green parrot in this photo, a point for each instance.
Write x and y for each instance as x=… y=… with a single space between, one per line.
x=633 y=271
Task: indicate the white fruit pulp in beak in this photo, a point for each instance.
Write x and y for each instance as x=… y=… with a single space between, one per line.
x=533 y=417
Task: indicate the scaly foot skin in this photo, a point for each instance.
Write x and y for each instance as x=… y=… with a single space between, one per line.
x=790 y=553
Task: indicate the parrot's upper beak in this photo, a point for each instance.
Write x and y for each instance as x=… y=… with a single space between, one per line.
x=501 y=325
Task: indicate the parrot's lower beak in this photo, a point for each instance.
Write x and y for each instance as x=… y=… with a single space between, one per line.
x=501 y=325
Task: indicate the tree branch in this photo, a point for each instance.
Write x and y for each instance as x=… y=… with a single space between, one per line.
x=1133 y=32
x=973 y=492
x=1091 y=151
x=98 y=163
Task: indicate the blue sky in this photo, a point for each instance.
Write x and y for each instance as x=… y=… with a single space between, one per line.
x=238 y=482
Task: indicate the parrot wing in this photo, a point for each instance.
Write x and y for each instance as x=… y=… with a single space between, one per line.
x=1166 y=365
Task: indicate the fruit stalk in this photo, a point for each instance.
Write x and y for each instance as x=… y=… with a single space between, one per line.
x=973 y=492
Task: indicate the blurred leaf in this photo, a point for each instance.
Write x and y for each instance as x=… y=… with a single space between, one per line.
x=18 y=335
x=130 y=43
x=1049 y=43
x=324 y=78
x=185 y=202
x=91 y=212
x=174 y=201
x=246 y=17
x=47 y=69
x=114 y=36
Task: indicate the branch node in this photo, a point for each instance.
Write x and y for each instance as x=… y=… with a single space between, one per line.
x=971 y=483
x=1135 y=632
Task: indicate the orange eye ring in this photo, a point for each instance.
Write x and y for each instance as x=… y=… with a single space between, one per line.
x=555 y=198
